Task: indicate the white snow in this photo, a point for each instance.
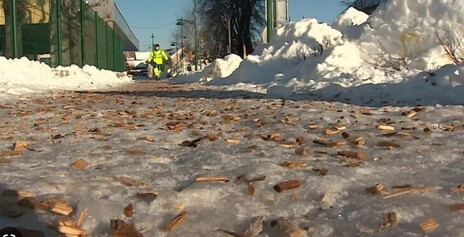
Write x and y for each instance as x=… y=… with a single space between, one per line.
x=310 y=73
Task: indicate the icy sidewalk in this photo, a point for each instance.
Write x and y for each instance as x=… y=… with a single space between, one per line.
x=165 y=139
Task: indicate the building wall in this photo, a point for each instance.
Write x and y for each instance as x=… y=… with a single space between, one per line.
x=38 y=11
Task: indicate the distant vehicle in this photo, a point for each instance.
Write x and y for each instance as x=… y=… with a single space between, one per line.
x=140 y=70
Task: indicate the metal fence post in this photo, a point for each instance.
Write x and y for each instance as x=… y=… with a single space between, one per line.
x=81 y=6
x=14 y=27
x=58 y=33
x=96 y=40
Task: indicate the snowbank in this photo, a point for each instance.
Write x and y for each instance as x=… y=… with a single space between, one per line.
x=22 y=76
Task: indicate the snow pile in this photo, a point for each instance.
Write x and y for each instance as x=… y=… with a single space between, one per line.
x=219 y=69
x=22 y=76
x=396 y=46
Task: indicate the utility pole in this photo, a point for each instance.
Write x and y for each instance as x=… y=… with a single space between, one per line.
x=152 y=41
x=196 y=35
x=270 y=13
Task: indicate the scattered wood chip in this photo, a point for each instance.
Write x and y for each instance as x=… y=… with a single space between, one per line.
x=10 y=153
x=287 y=185
x=80 y=164
x=457 y=189
x=71 y=230
x=20 y=146
x=82 y=217
x=18 y=194
x=328 y=143
x=365 y=111
x=353 y=154
x=386 y=128
x=313 y=126
x=251 y=190
x=388 y=144
x=147 y=194
x=135 y=152
x=193 y=143
x=294 y=164
x=390 y=219
x=321 y=171
x=300 y=140
x=234 y=140
x=127 y=181
x=179 y=218
x=377 y=188
x=120 y=229
x=146 y=138
x=289 y=144
x=301 y=151
x=62 y=208
x=212 y=179
x=213 y=137
x=457 y=207
x=256 y=227
x=429 y=225
x=398 y=191
x=129 y=210
x=447 y=127
x=277 y=137
x=409 y=114
x=291 y=229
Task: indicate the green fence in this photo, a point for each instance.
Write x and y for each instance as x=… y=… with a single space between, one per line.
x=59 y=32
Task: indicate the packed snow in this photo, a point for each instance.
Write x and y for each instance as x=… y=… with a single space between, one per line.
x=366 y=100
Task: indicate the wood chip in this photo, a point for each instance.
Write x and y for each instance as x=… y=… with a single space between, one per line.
x=129 y=210
x=256 y=227
x=386 y=128
x=213 y=137
x=409 y=114
x=71 y=230
x=365 y=111
x=82 y=217
x=212 y=179
x=289 y=145
x=321 y=171
x=251 y=190
x=377 y=188
x=277 y=137
x=353 y=154
x=313 y=126
x=135 y=152
x=457 y=207
x=127 y=181
x=177 y=220
x=287 y=185
x=80 y=164
x=294 y=164
x=301 y=151
x=457 y=189
x=147 y=194
x=328 y=143
x=389 y=220
x=20 y=146
x=193 y=143
x=291 y=229
x=388 y=144
x=300 y=140
x=429 y=225
x=234 y=140
x=61 y=208
x=18 y=194
x=146 y=138
x=395 y=192
x=120 y=229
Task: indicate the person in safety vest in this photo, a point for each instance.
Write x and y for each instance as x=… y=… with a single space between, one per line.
x=158 y=59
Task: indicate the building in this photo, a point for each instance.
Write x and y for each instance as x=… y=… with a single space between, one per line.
x=65 y=32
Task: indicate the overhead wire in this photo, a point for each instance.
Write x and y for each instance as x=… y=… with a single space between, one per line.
x=153 y=27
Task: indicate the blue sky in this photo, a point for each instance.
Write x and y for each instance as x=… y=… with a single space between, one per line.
x=158 y=17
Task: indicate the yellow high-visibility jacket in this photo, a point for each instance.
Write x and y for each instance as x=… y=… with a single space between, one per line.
x=158 y=56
